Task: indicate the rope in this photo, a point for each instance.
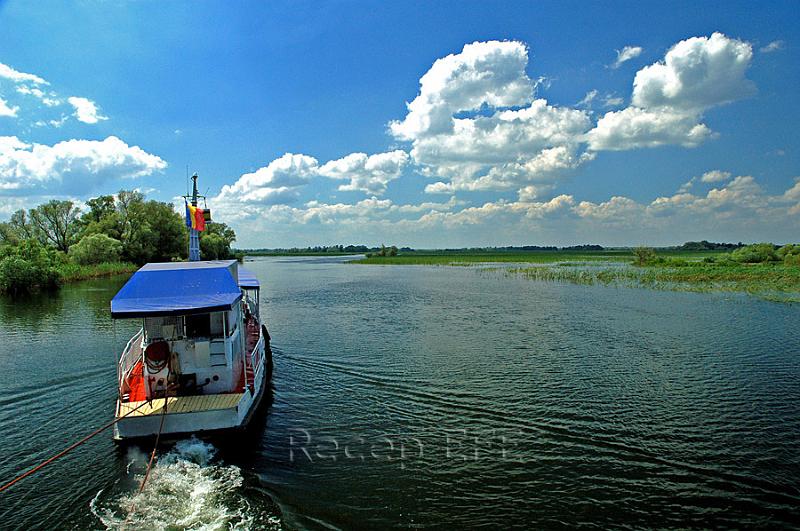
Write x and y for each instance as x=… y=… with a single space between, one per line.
x=68 y=449
x=153 y=455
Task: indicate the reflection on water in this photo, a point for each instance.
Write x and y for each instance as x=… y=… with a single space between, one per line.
x=431 y=396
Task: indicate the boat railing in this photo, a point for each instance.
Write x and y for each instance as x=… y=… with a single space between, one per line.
x=256 y=357
x=130 y=356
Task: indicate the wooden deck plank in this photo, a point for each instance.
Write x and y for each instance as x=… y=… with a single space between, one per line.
x=182 y=404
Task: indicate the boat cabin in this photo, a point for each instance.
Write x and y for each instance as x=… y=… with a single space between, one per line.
x=200 y=327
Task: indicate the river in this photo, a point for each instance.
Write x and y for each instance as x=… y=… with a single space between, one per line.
x=427 y=397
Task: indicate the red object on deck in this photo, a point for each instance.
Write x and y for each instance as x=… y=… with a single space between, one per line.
x=136 y=384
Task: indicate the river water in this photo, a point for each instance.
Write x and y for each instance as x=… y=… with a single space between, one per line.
x=427 y=397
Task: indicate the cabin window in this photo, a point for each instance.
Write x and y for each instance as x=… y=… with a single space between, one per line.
x=232 y=319
x=198 y=325
x=162 y=327
x=217 y=318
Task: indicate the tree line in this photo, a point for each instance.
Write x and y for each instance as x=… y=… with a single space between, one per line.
x=37 y=245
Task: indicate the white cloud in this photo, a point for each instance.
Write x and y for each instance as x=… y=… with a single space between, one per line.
x=20 y=77
x=281 y=181
x=71 y=166
x=278 y=182
x=484 y=73
x=366 y=173
x=476 y=125
x=774 y=46
x=715 y=176
x=85 y=110
x=626 y=54
x=669 y=97
x=6 y=110
x=697 y=73
x=634 y=127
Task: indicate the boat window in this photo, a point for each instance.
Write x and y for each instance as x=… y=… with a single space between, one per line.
x=198 y=325
x=216 y=324
x=162 y=327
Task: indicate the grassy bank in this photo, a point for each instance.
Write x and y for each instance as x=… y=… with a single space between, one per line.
x=769 y=281
x=73 y=272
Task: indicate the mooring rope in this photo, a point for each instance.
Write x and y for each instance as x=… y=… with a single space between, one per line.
x=68 y=449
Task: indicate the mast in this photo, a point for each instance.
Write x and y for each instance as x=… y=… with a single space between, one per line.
x=194 y=235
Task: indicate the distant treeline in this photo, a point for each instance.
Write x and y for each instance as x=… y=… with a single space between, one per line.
x=363 y=249
x=709 y=246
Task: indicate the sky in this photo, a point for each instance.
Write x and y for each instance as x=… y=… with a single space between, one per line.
x=422 y=124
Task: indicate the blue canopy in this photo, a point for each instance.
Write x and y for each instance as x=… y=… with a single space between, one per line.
x=177 y=288
x=247 y=279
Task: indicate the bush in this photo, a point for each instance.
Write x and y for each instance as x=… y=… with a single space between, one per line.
x=792 y=260
x=756 y=254
x=644 y=255
x=29 y=266
x=96 y=249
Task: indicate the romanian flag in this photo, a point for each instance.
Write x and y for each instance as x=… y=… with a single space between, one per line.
x=194 y=218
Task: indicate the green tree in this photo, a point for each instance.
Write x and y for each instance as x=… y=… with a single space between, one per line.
x=96 y=249
x=215 y=242
x=56 y=221
x=27 y=266
x=99 y=208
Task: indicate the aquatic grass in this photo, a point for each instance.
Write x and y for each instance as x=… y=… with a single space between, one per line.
x=71 y=272
x=772 y=282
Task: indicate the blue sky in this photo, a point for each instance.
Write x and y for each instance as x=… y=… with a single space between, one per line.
x=534 y=133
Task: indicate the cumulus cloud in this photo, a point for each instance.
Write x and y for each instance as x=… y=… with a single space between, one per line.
x=626 y=54
x=277 y=182
x=669 y=97
x=281 y=181
x=715 y=176
x=774 y=46
x=86 y=110
x=366 y=173
x=476 y=125
x=6 y=110
x=634 y=127
x=71 y=166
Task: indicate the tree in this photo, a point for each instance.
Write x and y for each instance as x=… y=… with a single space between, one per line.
x=28 y=266
x=56 y=221
x=18 y=228
x=216 y=240
x=96 y=249
x=99 y=208
x=148 y=230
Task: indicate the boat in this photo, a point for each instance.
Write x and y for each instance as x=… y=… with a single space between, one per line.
x=201 y=361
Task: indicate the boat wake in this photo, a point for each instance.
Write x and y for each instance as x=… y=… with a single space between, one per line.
x=187 y=489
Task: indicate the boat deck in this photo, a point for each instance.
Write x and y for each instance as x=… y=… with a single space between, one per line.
x=135 y=382
x=181 y=404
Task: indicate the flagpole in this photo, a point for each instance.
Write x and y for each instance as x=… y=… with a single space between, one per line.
x=194 y=234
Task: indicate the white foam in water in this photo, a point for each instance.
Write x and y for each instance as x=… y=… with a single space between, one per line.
x=185 y=490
